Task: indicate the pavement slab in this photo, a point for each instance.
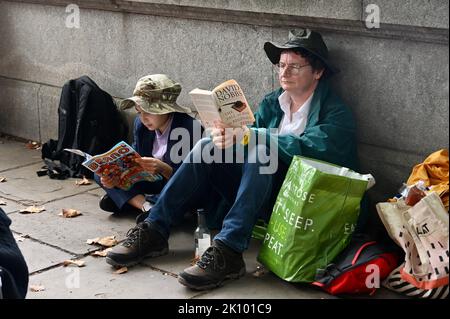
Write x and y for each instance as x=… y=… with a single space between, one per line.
x=10 y=205
x=71 y=234
x=16 y=155
x=40 y=256
x=25 y=186
x=98 y=280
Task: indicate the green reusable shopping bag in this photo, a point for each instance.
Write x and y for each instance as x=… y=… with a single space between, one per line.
x=313 y=218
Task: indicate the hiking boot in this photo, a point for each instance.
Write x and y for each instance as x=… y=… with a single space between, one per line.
x=217 y=264
x=142 y=241
x=108 y=205
x=141 y=217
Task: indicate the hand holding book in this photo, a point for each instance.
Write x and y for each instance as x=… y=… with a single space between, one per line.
x=109 y=181
x=118 y=166
x=225 y=103
x=155 y=166
x=224 y=136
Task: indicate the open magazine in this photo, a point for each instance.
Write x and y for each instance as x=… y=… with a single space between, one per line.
x=226 y=102
x=118 y=161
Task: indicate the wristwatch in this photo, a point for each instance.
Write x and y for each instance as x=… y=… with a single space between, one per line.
x=146 y=206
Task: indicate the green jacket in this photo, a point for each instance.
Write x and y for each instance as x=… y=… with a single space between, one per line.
x=329 y=134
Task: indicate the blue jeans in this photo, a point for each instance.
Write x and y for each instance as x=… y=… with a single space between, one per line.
x=121 y=197
x=249 y=193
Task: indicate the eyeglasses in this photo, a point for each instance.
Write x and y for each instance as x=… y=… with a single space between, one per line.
x=293 y=69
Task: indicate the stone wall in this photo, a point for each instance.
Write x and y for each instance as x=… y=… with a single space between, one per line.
x=394 y=78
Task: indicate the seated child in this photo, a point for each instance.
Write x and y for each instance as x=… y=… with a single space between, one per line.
x=154 y=99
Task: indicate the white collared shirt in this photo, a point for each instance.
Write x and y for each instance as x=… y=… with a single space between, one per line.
x=294 y=123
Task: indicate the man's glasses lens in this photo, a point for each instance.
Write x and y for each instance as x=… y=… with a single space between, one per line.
x=293 y=69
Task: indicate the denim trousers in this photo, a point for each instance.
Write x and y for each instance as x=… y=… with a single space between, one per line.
x=249 y=192
x=121 y=197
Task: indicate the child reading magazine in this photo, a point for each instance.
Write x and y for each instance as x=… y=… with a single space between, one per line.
x=226 y=102
x=131 y=181
x=118 y=161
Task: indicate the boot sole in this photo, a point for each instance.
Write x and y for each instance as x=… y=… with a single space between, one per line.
x=229 y=277
x=114 y=263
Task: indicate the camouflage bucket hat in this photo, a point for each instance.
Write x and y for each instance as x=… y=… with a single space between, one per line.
x=156 y=94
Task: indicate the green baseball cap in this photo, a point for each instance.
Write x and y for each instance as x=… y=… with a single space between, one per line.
x=156 y=94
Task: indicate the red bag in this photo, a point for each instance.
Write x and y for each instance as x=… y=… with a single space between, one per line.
x=360 y=268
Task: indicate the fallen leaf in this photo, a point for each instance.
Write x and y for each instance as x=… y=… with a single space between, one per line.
x=101 y=253
x=2 y=202
x=33 y=145
x=83 y=181
x=69 y=213
x=2 y=179
x=36 y=288
x=79 y=263
x=32 y=209
x=107 y=241
x=20 y=238
x=121 y=270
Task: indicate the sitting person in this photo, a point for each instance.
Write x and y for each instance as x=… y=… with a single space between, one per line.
x=154 y=99
x=308 y=120
x=13 y=268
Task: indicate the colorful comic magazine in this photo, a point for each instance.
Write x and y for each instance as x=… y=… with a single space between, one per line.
x=118 y=161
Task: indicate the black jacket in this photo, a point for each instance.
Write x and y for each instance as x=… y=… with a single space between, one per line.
x=13 y=269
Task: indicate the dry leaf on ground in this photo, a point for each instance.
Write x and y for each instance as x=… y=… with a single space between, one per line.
x=33 y=145
x=2 y=202
x=121 y=270
x=20 y=238
x=32 y=209
x=83 y=181
x=101 y=253
x=2 y=179
x=36 y=288
x=79 y=263
x=69 y=213
x=107 y=241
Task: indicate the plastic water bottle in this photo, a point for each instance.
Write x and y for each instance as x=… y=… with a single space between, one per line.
x=202 y=235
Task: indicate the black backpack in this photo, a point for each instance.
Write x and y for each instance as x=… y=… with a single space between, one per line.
x=88 y=120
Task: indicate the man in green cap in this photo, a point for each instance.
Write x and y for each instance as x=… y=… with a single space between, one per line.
x=154 y=99
x=305 y=118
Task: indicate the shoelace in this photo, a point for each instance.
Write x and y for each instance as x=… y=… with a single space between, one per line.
x=211 y=255
x=133 y=234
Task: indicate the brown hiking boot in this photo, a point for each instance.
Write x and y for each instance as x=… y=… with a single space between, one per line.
x=142 y=241
x=217 y=264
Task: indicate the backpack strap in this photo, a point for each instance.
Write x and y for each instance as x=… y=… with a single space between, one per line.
x=55 y=170
x=359 y=251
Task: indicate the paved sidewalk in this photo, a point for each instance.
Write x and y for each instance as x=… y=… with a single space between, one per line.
x=47 y=239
